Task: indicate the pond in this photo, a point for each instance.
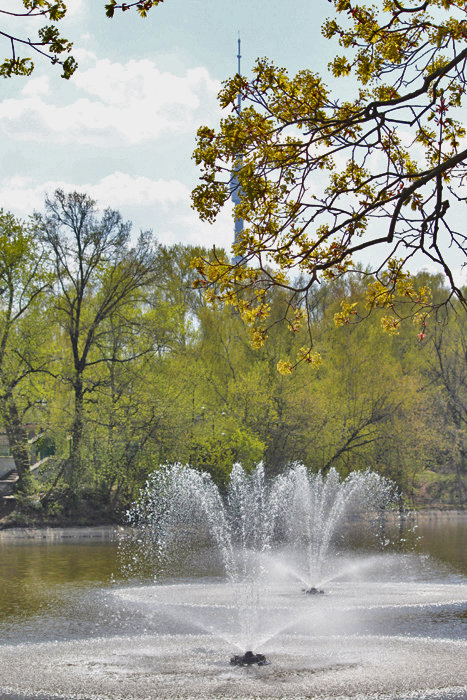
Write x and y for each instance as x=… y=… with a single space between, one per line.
x=72 y=625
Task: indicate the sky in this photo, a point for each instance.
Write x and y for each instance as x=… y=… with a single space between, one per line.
x=123 y=128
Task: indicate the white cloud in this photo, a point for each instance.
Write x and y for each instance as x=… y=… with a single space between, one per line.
x=74 y=8
x=163 y=205
x=130 y=103
x=23 y=195
x=197 y=232
x=36 y=88
x=82 y=55
x=120 y=189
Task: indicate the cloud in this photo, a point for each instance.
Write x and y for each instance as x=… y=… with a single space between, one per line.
x=115 y=190
x=119 y=189
x=163 y=205
x=125 y=103
x=84 y=56
x=37 y=88
x=197 y=232
x=74 y=8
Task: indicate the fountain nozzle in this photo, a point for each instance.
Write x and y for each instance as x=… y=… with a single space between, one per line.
x=248 y=659
x=313 y=591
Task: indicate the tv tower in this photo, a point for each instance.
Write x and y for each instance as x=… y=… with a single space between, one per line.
x=234 y=184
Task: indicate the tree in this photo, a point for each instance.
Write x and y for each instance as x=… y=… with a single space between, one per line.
x=98 y=278
x=133 y=422
x=445 y=369
x=49 y=43
x=24 y=279
x=142 y=6
x=322 y=180
x=175 y=294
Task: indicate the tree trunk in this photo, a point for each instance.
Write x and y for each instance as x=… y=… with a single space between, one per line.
x=75 y=462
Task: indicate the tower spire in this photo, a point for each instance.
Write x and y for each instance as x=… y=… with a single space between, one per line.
x=234 y=184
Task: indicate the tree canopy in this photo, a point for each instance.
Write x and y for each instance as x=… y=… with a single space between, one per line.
x=112 y=358
x=323 y=180
x=24 y=279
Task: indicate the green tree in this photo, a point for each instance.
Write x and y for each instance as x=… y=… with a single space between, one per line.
x=141 y=409
x=174 y=297
x=229 y=398
x=444 y=370
x=322 y=179
x=364 y=395
x=98 y=278
x=24 y=279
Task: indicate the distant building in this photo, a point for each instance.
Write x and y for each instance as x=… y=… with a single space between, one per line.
x=41 y=447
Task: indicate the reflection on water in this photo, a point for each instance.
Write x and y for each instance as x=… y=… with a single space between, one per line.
x=444 y=539
x=55 y=590
x=34 y=573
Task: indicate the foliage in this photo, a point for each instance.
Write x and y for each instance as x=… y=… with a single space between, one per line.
x=162 y=377
x=142 y=6
x=322 y=180
x=98 y=280
x=49 y=43
x=24 y=279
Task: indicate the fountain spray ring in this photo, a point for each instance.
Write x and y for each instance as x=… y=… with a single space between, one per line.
x=248 y=659
x=312 y=591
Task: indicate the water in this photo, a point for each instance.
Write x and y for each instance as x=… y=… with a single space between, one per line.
x=391 y=623
x=317 y=510
x=305 y=514
x=181 y=509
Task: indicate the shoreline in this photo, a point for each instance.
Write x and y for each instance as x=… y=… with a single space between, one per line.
x=78 y=532
x=109 y=532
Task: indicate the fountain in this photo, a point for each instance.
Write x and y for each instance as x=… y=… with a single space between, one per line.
x=215 y=607
x=317 y=509
x=181 y=510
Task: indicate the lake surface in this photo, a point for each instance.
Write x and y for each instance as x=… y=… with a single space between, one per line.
x=36 y=575
x=69 y=592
